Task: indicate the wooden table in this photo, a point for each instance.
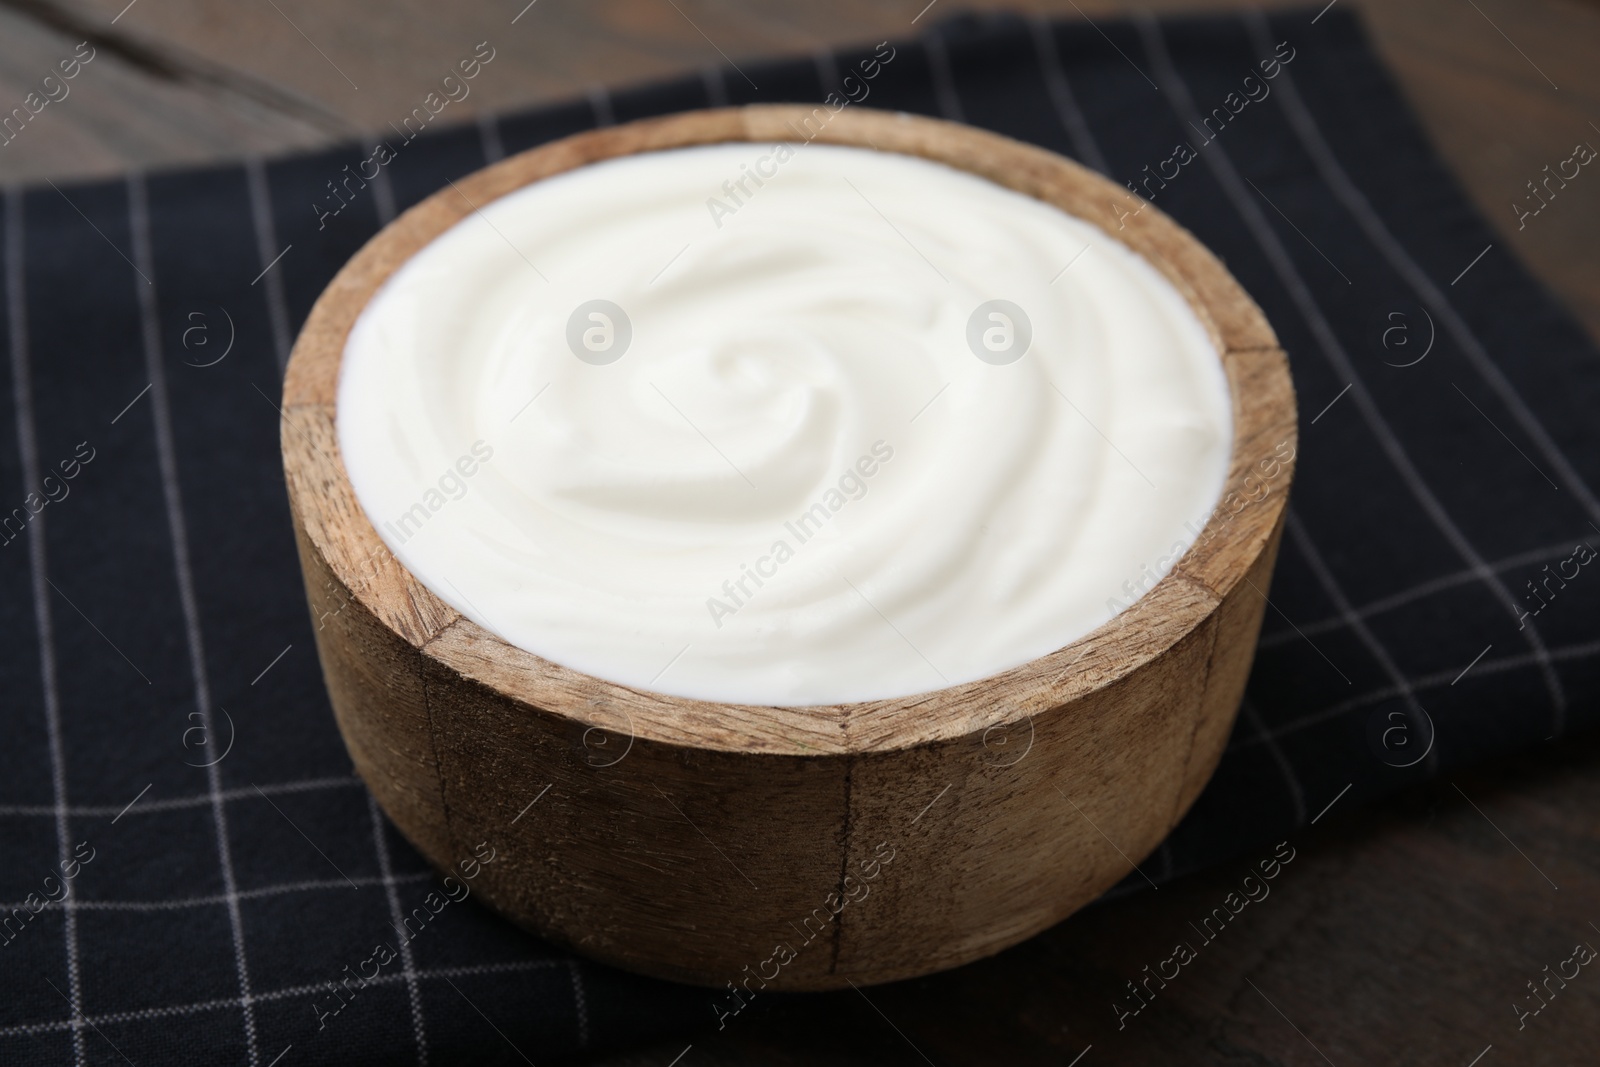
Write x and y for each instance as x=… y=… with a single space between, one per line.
x=1402 y=934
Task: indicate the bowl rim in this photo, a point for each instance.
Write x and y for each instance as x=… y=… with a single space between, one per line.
x=1215 y=562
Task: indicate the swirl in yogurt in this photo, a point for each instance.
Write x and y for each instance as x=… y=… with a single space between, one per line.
x=783 y=456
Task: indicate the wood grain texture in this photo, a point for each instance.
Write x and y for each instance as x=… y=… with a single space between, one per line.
x=1418 y=891
x=191 y=81
x=1398 y=935
x=719 y=832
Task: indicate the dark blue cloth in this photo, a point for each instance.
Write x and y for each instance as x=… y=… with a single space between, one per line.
x=156 y=623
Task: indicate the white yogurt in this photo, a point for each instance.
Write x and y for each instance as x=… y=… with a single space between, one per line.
x=798 y=483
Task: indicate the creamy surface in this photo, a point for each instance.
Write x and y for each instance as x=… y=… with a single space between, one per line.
x=798 y=483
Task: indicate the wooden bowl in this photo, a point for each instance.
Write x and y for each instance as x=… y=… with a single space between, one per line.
x=793 y=847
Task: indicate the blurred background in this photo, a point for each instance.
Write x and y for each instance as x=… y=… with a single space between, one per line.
x=1501 y=86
